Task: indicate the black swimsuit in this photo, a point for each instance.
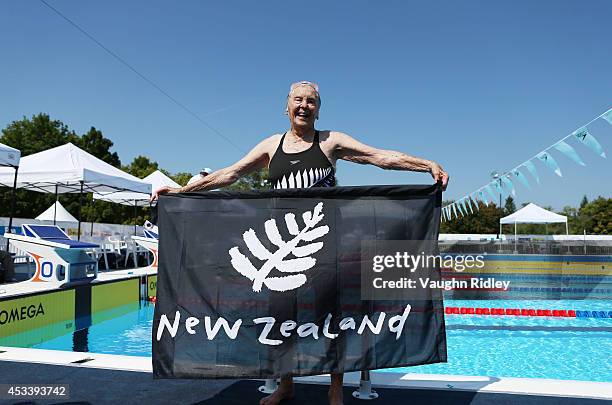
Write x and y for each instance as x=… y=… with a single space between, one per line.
x=308 y=168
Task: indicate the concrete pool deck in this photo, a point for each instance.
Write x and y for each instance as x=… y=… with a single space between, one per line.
x=103 y=378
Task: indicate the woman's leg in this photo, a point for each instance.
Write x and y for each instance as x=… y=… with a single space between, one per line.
x=335 y=389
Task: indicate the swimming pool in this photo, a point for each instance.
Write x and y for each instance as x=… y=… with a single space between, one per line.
x=500 y=346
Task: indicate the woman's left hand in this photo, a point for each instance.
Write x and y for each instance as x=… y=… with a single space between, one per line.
x=439 y=175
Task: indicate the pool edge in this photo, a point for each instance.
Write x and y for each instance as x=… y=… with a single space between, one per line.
x=502 y=385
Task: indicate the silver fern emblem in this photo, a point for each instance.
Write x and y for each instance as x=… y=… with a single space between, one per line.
x=277 y=260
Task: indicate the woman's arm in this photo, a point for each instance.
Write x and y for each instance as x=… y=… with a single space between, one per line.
x=348 y=148
x=256 y=159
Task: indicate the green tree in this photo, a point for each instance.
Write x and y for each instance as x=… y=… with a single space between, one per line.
x=39 y=133
x=32 y=135
x=141 y=167
x=573 y=219
x=253 y=181
x=95 y=143
x=485 y=219
x=509 y=207
x=596 y=216
x=181 y=178
x=584 y=202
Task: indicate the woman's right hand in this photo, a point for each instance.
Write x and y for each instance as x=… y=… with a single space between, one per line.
x=163 y=190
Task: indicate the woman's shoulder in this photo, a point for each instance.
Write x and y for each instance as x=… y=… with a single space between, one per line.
x=270 y=144
x=331 y=137
x=271 y=140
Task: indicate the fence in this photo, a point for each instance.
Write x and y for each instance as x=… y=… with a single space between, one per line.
x=528 y=246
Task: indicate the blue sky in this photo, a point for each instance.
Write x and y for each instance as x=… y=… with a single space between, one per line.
x=475 y=85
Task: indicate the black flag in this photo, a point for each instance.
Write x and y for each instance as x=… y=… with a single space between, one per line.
x=273 y=283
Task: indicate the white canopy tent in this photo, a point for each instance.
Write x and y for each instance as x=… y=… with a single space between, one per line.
x=532 y=214
x=156 y=179
x=69 y=169
x=57 y=214
x=9 y=157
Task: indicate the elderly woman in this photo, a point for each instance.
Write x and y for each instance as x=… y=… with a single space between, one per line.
x=306 y=157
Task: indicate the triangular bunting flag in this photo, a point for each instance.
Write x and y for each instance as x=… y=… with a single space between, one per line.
x=500 y=189
x=460 y=207
x=532 y=170
x=469 y=204
x=550 y=162
x=508 y=183
x=589 y=140
x=463 y=205
x=568 y=151
x=522 y=178
x=491 y=192
x=608 y=116
x=475 y=200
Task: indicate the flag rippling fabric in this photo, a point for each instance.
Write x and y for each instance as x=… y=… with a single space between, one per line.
x=267 y=284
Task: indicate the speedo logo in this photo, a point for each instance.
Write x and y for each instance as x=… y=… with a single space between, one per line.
x=21 y=313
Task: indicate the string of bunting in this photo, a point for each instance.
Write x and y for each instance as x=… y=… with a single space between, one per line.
x=504 y=185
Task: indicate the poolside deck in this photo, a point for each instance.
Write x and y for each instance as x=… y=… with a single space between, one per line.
x=26 y=287
x=100 y=379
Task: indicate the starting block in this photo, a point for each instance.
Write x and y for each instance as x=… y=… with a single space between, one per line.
x=59 y=259
x=149 y=241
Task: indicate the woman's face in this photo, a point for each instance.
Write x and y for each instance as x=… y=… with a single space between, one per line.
x=303 y=106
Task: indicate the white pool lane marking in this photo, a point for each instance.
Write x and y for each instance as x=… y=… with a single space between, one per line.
x=503 y=385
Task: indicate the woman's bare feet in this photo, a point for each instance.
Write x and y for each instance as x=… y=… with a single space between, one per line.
x=284 y=391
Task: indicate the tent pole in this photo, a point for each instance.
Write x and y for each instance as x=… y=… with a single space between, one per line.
x=80 y=205
x=10 y=224
x=515 y=237
x=55 y=204
x=91 y=215
x=134 y=217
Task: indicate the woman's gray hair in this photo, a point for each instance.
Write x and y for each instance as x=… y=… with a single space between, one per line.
x=295 y=86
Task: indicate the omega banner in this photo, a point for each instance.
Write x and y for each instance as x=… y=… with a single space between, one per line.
x=268 y=284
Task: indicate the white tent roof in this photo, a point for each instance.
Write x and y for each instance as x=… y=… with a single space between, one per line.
x=62 y=216
x=67 y=166
x=9 y=156
x=156 y=179
x=532 y=214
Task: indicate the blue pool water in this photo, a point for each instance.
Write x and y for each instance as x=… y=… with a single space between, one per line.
x=500 y=346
